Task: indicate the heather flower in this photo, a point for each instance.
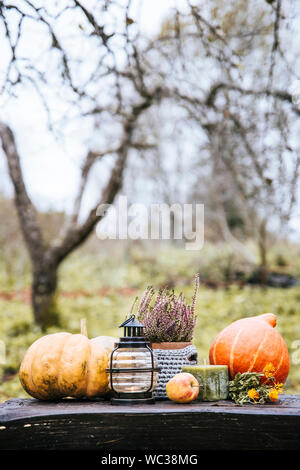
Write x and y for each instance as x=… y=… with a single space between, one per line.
x=167 y=317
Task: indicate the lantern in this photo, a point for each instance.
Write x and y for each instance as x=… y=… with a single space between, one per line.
x=133 y=370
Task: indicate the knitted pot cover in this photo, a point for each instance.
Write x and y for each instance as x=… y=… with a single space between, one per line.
x=171 y=362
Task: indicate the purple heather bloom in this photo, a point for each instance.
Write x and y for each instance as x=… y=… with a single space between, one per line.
x=166 y=317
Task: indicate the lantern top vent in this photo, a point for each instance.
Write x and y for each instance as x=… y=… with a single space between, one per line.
x=132 y=328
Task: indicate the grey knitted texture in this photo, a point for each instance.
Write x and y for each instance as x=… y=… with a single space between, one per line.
x=171 y=362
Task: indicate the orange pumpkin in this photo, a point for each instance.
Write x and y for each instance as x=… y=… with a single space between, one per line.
x=249 y=344
x=67 y=365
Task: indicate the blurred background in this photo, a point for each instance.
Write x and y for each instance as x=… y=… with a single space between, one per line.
x=173 y=102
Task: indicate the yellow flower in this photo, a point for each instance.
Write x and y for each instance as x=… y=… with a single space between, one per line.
x=278 y=386
x=269 y=370
x=253 y=394
x=273 y=395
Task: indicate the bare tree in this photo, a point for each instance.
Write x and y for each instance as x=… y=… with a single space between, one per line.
x=227 y=67
x=255 y=136
x=116 y=79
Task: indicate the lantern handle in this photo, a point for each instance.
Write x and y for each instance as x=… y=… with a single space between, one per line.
x=132 y=306
x=132 y=317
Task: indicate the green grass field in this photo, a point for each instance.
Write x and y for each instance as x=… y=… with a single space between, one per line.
x=102 y=288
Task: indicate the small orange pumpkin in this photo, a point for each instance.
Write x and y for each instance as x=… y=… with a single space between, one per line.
x=249 y=344
x=67 y=365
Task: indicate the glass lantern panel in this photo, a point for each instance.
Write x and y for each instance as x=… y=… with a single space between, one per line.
x=132 y=382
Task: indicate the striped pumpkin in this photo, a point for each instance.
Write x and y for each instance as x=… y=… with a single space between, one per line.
x=249 y=344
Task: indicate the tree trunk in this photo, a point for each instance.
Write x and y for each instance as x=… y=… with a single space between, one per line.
x=262 y=243
x=43 y=295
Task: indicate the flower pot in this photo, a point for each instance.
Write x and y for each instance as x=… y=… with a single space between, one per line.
x=171 y=357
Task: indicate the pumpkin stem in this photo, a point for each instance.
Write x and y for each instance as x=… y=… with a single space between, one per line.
x=83 y=328
x=269 y=318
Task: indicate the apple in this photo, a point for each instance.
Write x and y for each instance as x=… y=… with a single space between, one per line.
x=182 y=388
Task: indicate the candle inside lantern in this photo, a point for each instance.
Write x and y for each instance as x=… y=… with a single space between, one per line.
x=213 y=381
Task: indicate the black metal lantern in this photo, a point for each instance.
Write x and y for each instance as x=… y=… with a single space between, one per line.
x=133 y=370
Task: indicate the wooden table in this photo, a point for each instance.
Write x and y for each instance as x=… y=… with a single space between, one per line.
x=72 y=424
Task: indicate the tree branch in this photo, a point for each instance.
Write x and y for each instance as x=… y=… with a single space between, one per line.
x=26 y=210
x=281 y=95
x=275 y=45
x=77 y=234
x=89 y=161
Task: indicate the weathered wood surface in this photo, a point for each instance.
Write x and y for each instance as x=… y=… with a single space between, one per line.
x=72 y=424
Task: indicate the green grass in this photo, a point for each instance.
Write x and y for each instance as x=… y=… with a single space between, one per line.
x=86 y=274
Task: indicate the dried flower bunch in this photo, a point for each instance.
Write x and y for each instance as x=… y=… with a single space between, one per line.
x=167 y=317
x=247 y=387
